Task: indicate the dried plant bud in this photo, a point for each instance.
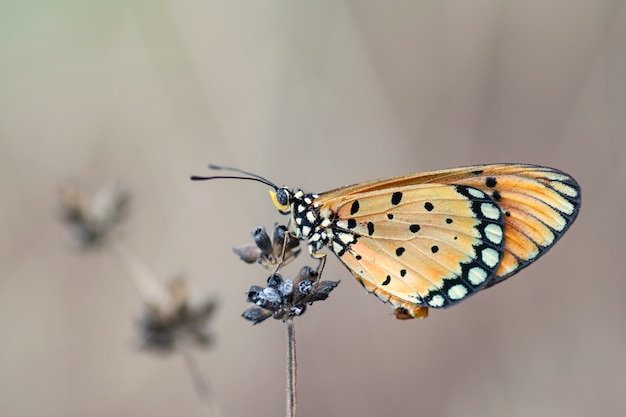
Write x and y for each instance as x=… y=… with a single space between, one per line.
x=272 y=253
x=281 y=237
x=323 y=289
x=298 y=310
x=255 y=295
x=274 y=280
x=286 y=289
x=248 y=253
x=302 y=291
x=256 y=314
x=306 y=273
x=262 y=240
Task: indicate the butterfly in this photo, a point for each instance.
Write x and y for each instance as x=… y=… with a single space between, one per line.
x=432 y=239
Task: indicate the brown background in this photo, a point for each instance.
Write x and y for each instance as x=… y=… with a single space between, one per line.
x=313 y=95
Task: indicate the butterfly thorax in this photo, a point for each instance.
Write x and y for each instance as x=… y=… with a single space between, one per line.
x=309 y=221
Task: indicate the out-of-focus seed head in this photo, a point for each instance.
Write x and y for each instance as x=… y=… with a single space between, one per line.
x=162 y=331
x=91 y=219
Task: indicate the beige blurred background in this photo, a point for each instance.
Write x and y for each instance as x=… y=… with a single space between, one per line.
x=314 y=95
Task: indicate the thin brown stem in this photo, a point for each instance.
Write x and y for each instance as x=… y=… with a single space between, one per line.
x=207 y=404
x=291 y=367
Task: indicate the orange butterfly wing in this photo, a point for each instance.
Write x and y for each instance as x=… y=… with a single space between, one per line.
x=537 y=205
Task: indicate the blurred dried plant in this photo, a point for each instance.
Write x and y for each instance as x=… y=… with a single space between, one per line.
x=91 y=219
x=169 y=322
x=163 y=328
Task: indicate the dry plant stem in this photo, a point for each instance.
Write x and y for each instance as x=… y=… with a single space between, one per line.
x=208 y=407
x=148 y=287
x=291 y=367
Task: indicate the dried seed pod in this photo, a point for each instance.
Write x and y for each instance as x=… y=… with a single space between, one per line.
x=256 y=314
x=274 y=280
x=323 y=289
x=262 y=240
x=248 y=253
x=281 y=237
x=305 y=273
x=286 y=289
x=298 y=309
x=255 y=295
x=302 y=290
x=272 y=295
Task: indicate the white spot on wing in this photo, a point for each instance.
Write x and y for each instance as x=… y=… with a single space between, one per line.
x=493 y=232
x=436 y=301
x=477 y=275
x=342 y=224
x=306 y=230
x=490 y=211
x=337 y=247
x=476 y=193
x=346 y=238
x=310 y=217
x=490 y=257
x=457 y=292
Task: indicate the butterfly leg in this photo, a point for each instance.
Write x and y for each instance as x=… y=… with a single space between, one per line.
x=322 y=258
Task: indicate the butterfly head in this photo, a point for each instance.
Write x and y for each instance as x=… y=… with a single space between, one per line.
x=282 y=198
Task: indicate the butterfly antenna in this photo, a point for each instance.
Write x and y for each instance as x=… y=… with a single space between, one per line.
x=252 y=176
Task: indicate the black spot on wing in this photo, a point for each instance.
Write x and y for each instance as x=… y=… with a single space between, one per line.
x=355 y=207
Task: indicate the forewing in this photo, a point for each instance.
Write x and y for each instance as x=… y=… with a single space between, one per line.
x=430 y=245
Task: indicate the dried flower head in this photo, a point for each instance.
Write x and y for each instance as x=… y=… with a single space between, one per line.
x=284 y=298
x=163 y=328
x=91 y=219
x=273 y=252
x=280 y=298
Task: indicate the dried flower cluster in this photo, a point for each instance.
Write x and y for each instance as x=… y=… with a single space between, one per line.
x=280 y=298
x=163 y=328
x=91 y=219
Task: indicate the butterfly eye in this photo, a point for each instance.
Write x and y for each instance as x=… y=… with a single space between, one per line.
x=281 y=198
